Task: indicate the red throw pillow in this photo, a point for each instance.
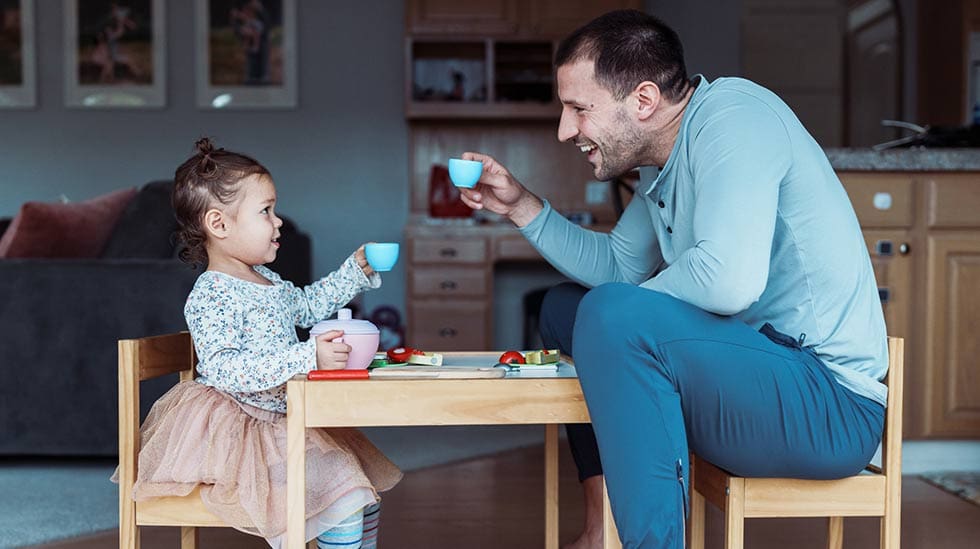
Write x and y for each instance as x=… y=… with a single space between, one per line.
x=64 y=230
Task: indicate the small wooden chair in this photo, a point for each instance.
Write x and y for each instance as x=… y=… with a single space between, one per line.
x=141 y=359
x=875 y=492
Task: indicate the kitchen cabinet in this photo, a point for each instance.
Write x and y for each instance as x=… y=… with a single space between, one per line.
x=475 y=59
x=449 y=283
x=923 y=234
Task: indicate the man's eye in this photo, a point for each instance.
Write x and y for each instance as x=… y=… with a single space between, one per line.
x=265 y=210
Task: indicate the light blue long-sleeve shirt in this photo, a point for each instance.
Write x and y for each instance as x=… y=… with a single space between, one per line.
x=748 y=219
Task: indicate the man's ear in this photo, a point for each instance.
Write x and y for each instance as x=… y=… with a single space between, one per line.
x=214 y=223
x=648 y=99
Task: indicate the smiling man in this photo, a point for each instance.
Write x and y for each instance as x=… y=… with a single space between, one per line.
x=739 y=234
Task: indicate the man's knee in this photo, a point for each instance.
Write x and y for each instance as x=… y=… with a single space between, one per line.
x=616 y=309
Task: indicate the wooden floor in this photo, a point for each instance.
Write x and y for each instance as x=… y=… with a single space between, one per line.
x=497 y=502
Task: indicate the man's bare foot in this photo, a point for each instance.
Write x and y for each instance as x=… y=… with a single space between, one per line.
x=591 y=537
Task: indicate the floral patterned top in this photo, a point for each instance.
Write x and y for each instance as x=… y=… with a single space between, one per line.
x=245 y=335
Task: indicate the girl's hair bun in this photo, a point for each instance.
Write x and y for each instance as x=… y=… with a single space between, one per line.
x=204 y=146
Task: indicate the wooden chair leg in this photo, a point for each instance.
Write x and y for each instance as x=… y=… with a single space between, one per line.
x=188 y=537
x=891 y=530
x=610 y=536
x=695 y=524
x=129 y=535
x=835 y=532
x=735 y=514
x=311 y=544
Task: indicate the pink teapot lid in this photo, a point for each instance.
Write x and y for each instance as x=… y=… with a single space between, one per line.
x=345 y=322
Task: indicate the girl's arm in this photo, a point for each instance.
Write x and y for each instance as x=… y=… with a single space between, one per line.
x=324 y=297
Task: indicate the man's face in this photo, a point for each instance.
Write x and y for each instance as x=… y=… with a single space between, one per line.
x=595 y=122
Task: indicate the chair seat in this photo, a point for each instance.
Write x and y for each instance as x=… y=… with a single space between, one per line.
x=187 y=510
x=857 y=496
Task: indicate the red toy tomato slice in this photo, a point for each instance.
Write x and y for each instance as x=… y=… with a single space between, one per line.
x=511 y=357
x=400 y=354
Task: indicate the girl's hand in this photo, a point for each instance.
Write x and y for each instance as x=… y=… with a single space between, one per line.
x=362 y=261
x=331 y=355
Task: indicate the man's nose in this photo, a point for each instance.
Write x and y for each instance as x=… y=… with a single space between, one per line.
x=567 y=128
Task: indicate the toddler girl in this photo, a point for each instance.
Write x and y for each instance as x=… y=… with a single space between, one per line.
x=226 y=430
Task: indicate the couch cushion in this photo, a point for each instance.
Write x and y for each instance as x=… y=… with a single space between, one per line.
x=64 y=230
x=146 y=229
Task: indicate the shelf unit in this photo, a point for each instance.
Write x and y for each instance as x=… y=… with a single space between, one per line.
x=480 y=78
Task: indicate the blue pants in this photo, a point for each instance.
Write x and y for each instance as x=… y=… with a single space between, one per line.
x=662 y=377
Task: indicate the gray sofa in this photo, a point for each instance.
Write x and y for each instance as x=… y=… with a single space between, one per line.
x=61 y=318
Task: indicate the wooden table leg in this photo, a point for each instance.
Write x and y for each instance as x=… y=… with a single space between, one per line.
x=295 y=465
x=610 y=536
x=551 y=486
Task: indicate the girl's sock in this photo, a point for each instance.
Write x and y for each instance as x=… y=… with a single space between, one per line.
x=346 y=535
x=372 y=514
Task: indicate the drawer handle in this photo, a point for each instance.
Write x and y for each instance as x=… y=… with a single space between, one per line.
x=447 y=252
x=447 y=332
x=904 y=248
x=447 y=285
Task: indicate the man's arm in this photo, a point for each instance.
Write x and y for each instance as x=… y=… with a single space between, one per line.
x=629 y=253
x=739 y=158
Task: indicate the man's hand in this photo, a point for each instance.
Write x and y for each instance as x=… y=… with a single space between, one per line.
x=331 y=355
x=500 y=193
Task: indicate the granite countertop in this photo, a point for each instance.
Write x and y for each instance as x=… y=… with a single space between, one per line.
x=905 y=160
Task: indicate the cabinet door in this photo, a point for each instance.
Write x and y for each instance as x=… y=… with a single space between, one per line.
x=952 y=344
x=560 y=17
x=461 y=16
x=448 y=325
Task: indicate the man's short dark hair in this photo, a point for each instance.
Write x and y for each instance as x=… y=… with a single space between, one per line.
x=628 y=47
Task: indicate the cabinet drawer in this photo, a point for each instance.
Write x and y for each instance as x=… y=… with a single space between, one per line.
x=954 y=200
x=449 y=250
x=449 y=326
x=449 y=281
x=880 y=200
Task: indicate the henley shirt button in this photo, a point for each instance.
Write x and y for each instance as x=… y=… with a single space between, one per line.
x=661 y=204
x=669 y=230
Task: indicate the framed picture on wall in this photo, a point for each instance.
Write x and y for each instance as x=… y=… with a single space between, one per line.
x=115 y=53
x=246 y=54
x=17 y=67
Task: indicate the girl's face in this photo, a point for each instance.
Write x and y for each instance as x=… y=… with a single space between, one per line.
x=254 y=227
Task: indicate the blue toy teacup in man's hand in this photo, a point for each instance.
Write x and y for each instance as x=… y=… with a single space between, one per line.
x=465 y=173
x=381 y=256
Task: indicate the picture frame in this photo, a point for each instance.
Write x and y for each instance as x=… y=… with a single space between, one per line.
x=18 y=67
x=115 y=54
x=246 y=54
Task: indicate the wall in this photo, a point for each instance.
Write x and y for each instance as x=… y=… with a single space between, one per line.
x=339 y=159
x=709 y=30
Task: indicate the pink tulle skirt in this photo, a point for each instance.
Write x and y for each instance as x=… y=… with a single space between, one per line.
x=198 y=435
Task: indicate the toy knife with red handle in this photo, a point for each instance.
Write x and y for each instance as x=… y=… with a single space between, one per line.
x=315 y=375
